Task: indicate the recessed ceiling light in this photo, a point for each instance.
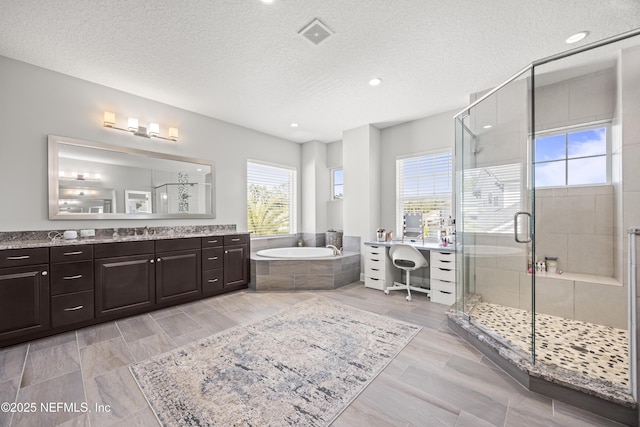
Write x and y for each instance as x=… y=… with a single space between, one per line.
x=375 y=82
x=267 y=1
x=294 y=125
x=487 y=126
x=577 y=37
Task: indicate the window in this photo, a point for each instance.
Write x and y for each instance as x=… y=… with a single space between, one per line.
x=424 y=185
x=271 y=199
x=576 y=157
x=337 y=184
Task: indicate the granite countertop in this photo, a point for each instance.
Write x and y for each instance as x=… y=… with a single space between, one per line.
x=41 y=239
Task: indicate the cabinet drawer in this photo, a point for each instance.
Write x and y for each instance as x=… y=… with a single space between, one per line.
x=371 y=282
x=71 y=308
x=170 y=245
x=443 y=297
x=235 y=239
x=443 y=274
x=376 y=251
x=212 y=280
x=72 y=253
x=212 y=241
x=71 y=277
x=445 y=264
x=118 y=249
x=374 y=272
x=20 y=257
x=442 y=285
x=212 y=258
x=443 y=256
x=378 y=263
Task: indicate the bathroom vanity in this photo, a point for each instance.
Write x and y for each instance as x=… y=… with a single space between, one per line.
x=49 y=287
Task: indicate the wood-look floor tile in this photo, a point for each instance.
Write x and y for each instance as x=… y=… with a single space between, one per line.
x=116 y=390
x=466 y=419
x=12 y=361
x=150 y=346
x=214 y=321
x=104 y=356
x=8 y=393
x=143 y=418
x=362 y=414
x=98 y=333
x=81 y=421
x=135 y=328
x=51 y=362
x=53 y=341
x=178 y=324
x=489 y=404
x=164 y=312
x=576 y=417
x=65 y=389
x=194 y=308
x=190 y=337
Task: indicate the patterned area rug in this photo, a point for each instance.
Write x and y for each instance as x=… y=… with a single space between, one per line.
x=300 y=367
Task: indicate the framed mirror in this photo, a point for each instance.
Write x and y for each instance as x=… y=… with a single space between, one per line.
x=88 y=180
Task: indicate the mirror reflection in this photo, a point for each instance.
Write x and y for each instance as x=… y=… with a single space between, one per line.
x=93 y=181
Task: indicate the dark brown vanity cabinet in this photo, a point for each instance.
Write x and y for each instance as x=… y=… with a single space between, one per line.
x=212 y=265
x=236 y=255
x=24 y=292
x=125 y=278
x=178 y=269
x=72 y=295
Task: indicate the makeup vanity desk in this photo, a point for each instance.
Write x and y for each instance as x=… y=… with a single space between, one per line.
x=380 y=272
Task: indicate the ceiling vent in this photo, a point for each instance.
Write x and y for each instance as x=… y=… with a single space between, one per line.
x=316 y=32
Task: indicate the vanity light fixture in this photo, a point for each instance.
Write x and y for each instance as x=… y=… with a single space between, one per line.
x=153 y=131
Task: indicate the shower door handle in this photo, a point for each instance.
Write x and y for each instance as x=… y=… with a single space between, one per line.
x=515 y=226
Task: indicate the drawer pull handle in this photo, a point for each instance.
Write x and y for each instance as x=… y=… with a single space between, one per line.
x=80 y=307
x=235 y=240
x=213 y=258
x=375 y=269
x=44 y=273
x=444 y=269
x=72 y=253
x=373 y=278
x=445 y=292
x=15 y=258
x=212 y=241
x=79 y=276
x=212 y=281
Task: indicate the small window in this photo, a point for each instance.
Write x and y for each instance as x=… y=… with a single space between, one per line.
x=574 y=157
x=337 y=184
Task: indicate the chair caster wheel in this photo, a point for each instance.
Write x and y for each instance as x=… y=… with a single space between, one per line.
x=386 y=292
x=408 y=298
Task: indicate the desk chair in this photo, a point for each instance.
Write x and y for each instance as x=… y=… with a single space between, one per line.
x=407 y=258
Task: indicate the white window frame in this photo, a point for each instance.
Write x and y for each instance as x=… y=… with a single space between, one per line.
x=573 y=129
x=400 y=192
x=292 y=196
x=333 y=183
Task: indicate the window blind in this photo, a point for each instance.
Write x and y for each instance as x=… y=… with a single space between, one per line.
x=271 y=199
x=424 y=185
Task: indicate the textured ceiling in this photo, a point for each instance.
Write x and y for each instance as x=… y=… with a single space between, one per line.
x=244 y=62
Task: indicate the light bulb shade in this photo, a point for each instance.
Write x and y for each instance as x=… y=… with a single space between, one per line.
x=109 y=119
x=154 y=129
x=133 y=124
x=173 y=134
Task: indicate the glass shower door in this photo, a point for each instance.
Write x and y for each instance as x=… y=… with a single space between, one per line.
x=494 y=215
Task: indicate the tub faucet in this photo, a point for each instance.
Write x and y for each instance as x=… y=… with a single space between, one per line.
x=336 y=251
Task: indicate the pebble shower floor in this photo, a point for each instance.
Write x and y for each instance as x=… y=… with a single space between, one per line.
x=597 y=351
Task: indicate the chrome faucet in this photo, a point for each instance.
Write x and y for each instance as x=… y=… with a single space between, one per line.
x=336 y=251
x=145 y=231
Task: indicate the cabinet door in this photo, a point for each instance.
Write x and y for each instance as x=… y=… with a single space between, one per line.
x=178 y=275
x=124 y=285
x=235 y=265
x=24 y=300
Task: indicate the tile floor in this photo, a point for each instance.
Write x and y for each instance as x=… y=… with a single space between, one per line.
x=596 y=351
x=438 y=379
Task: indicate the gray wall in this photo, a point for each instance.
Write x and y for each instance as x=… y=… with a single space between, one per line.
x=38 y=102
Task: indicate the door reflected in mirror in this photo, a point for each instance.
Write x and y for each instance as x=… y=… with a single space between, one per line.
x=88 y=180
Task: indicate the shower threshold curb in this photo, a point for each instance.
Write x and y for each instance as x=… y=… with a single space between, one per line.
x=550 y=381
